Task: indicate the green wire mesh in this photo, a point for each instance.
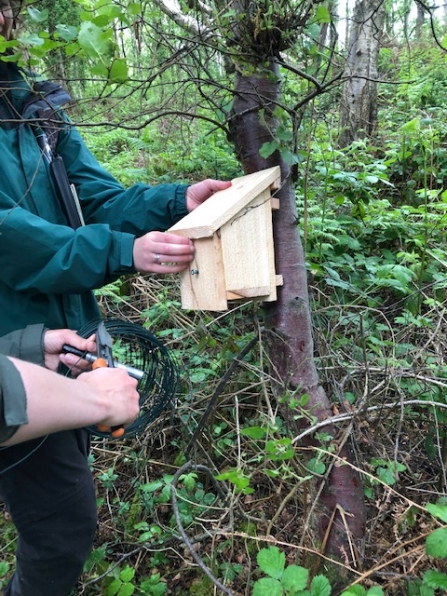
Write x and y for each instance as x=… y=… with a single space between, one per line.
x=137 y=347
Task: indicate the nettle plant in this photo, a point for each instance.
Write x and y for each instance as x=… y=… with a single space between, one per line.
x=362 y=244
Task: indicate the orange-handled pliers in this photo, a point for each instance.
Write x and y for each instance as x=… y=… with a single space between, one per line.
x=104 y=344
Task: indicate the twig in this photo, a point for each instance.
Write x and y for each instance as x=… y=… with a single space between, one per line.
x=189 y=465
x=218 y=391
x=351 y=415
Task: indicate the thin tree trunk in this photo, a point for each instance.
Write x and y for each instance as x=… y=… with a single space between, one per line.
x=358 y=109
x=288 y=320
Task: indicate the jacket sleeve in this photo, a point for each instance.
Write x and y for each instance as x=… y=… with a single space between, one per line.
x=12 y=399
x=26 y=344
x=39 y=256
x=136 y=210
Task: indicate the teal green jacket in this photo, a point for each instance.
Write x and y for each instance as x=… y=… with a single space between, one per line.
x=47 y=269
x=26 y=344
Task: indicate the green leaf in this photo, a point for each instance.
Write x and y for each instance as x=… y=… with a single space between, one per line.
x=435 y=579
x=114 y=586
x=118 y=71
x=375 y=591
x=111 y=11
x=126 y=590
x=436 y=544
x=316 y=466
x=289 y=157
x=67 y=32
x=127 y=574
x=295 y=578
x=411 y=126
x=254 y=432
x=267 y=587
x=237 y=477
x=279 y=449
x=134 y=8
x=320 y=586
x=386 y=475
x=437 y=510
x=323 y=15
x=4 y=568
x=32 y=39
x=271 y=560
x=38 y=16
x=151 y=487
x=268 y=149
x=158 y=589
x=354 y=591
x=94 y=41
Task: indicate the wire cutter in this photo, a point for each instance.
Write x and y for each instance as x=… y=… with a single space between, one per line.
x=104 y=345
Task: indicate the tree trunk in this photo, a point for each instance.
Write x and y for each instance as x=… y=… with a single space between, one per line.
x=420 y=20
x=288 y=320
x=358 y=109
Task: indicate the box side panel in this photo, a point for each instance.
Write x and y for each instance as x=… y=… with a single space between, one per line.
x=203 y=283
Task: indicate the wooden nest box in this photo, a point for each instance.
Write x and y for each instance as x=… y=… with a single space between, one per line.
x=233 y=239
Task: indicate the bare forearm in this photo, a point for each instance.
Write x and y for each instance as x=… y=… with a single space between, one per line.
x=56 y=403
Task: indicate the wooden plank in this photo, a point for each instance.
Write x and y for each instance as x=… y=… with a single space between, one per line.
x=251 y=292
x=225 y=204
x=202 y=285
x=247 y=250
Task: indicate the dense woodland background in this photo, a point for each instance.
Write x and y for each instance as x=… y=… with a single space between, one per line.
x=350 y=101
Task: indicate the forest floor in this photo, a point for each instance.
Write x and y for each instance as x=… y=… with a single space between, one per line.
x=206 y=541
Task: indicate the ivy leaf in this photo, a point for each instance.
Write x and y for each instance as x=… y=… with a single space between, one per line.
x=271 y=560
x=267 y=587
x=295 y=578
x=436 y=544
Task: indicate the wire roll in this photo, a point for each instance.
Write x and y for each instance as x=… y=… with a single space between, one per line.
x=137 y=347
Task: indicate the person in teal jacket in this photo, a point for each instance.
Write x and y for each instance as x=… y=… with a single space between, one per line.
x=35 y=402
x=47 y=273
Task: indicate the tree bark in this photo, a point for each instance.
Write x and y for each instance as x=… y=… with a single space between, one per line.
x=288 y=320
x=358 y=109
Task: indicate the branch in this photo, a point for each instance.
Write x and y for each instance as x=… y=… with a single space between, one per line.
x=351 y=415
x=190 y=24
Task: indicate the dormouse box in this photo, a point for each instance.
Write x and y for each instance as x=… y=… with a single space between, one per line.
x=233 y=239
